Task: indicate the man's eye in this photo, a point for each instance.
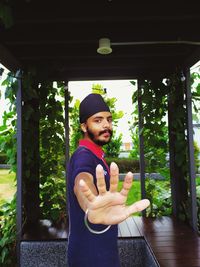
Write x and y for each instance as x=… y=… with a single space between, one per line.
x=97 y=121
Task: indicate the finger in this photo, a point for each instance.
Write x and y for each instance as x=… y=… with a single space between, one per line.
x=137 y=206
x=127 y=184
x=86 y=190
x=114 y=177
x=101 y=185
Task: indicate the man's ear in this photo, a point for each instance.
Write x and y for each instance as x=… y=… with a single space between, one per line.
x=83 y=127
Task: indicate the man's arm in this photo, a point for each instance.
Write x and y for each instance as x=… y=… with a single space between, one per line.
x=88 y=179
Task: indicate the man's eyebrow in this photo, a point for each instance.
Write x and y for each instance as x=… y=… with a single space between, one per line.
x=98 y=117
x=102 y=117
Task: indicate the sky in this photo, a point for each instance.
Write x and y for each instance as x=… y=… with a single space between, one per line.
x=122 y=90
x=4 y=104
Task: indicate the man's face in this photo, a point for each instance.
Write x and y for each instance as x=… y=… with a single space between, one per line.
x=98 y=128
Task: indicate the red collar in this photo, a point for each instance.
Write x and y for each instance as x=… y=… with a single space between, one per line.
x=92 y=147
x=95 y=150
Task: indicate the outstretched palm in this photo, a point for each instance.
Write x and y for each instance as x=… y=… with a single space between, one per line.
x=109 y=207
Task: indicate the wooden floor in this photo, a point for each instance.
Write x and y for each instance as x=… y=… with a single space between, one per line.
x=173 y=243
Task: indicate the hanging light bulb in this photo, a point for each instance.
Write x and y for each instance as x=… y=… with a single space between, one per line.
x=104 y=46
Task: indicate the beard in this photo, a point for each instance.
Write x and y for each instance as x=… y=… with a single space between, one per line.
x=95 y=139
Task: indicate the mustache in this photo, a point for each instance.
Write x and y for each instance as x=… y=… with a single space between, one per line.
x=106 y=131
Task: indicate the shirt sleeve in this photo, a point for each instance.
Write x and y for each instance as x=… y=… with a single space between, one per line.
x=83 y=161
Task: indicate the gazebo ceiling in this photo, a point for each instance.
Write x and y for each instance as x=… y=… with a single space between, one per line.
x=61 y=38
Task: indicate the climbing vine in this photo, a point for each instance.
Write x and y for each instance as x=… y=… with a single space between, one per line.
x=52 y=147
x=8 y=145
x=158 y=98
x=154 y=109
x=179 y=143
x=154 y=102
x=43 y=157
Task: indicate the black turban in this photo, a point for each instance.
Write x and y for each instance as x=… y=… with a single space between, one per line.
x=91 y=104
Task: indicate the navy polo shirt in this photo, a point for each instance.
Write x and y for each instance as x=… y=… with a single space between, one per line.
x=86 y=249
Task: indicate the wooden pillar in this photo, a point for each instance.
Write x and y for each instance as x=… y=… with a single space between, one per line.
x=66 y=137
x=177 y=148
x=66 y=123
x=192 y=174
x=172 y=140
x=31 y=161
x=141 y=145
x=19 y=166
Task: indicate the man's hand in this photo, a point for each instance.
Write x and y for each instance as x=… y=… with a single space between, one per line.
x=109 y=207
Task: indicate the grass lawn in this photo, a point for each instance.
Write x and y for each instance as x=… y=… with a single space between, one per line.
x=7 y=185
x=134 y=193
x=198 y=180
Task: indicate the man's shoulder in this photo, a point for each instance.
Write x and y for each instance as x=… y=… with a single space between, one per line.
x=82 y=160
x=80 y=152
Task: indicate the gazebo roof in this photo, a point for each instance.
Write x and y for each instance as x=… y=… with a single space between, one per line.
x=61 y=38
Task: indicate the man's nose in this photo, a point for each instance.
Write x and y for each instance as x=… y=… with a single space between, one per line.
x=106 y=124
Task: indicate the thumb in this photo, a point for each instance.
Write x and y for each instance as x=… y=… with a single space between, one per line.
x=138 y=206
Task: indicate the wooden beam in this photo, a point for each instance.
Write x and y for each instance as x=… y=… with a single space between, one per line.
x=192 y=59
x=8 y=60
x=114 y=18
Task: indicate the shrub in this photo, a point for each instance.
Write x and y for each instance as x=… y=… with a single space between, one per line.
x=125 y=164
x=8 y=233
x=3 y=158
x=159 y=195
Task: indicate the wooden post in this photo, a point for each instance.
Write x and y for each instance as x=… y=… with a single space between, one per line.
x=31 y=164
x=176 y=119
x=172 y=140
x=66 y=136
x=19 y=166
x=66 y=123
x=141 y=145
x=192 y=174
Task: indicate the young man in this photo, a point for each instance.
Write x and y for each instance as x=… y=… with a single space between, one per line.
x=95 y=205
